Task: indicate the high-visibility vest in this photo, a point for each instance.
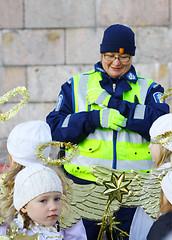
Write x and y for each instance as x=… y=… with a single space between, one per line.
x=123 y=150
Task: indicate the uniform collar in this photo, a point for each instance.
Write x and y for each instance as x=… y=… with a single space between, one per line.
x=129 y=76
x=122 y=83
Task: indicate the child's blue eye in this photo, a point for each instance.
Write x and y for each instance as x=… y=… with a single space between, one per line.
x=57 y=199
x=43 y=201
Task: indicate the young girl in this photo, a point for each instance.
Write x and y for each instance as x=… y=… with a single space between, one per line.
x=38 y=198
x=161 y=151
x=163 y=226
x=21 y=144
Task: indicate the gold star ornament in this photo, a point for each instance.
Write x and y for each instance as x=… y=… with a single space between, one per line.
x=116 y=187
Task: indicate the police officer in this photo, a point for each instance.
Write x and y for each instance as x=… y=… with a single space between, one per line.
x=108 y=111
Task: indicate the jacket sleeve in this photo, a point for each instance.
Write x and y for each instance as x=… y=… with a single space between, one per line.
x=68 y=126
x=76 y=232
x=140 y=117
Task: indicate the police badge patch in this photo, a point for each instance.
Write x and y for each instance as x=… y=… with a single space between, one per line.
x=131 y=76
x=157 y=97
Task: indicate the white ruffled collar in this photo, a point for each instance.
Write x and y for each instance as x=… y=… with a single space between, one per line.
x=40 y=228
x=45 y=231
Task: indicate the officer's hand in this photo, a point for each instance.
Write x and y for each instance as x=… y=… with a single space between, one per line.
x=111 y=118
x=98 y=96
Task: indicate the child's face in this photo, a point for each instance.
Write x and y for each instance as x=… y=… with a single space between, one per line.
x=154 y=151
x=44 y=209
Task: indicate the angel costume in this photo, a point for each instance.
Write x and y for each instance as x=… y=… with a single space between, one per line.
x=74 y=233
x=45 y=232
x=142 y=222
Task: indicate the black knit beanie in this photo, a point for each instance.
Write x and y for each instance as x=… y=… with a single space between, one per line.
x=118 y=38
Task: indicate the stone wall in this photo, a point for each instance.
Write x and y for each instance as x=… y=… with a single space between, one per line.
x=43 y=43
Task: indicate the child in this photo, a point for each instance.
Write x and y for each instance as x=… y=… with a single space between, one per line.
x=21 y=144
x=162 y=156
x=163 y=226
x=38 y=197
x=24 y=138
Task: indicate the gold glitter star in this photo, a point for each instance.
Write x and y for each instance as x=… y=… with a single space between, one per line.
x=116 y=187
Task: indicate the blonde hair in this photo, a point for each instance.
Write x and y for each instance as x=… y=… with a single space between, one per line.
x=165 y=205
x=164 y=156
x=7 y=210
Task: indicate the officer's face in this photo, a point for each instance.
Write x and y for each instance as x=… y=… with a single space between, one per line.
x=118 y=65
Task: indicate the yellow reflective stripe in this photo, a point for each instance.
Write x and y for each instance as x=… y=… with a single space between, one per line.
x=94 y=80
x=130 y=95
x=79 y=171
x=133 y=151
x=95 y=148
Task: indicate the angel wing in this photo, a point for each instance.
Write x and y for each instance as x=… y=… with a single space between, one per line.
x=127 y=189
x=87 y=201
x=144 y=187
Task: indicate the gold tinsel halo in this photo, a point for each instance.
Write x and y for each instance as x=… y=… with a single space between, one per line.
x=58 y=162
x=9 y=114
x=164 y=138
x=166 y=94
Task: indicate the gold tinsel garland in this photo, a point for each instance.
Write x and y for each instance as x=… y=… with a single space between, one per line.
x=164 y=138
x=166 y=94
x=62 y=160
x=9 y=114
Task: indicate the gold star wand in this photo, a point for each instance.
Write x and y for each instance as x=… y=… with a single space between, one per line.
x=115 y=188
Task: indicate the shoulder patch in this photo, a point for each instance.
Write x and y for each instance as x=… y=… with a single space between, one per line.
x=59 y=102
x=157 y=97
x=131 y=76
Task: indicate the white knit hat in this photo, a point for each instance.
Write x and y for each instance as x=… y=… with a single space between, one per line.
x=162 y=125
x=33 y=181
x=24 y=138
x=166 y=185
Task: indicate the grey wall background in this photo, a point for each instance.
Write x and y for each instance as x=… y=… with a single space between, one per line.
x=43 y=43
